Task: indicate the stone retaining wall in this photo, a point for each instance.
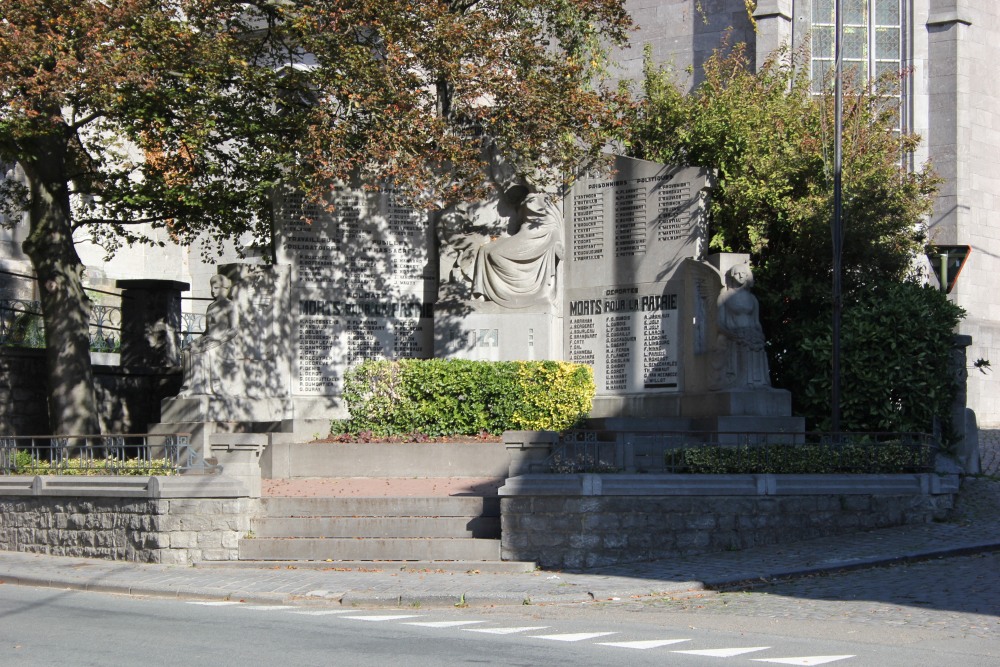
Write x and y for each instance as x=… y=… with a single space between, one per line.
x=596 y=529
x=134 y=519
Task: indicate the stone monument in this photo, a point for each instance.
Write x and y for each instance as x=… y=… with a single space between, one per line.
x=613 y=275
x=670 y=347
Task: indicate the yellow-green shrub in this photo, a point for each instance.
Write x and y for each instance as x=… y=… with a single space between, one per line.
x=459 y=397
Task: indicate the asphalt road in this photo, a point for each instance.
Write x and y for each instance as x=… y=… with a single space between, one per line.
x=852 y=619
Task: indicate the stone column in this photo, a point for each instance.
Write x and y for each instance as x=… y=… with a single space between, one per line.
x=151 y=322
x=774 y=27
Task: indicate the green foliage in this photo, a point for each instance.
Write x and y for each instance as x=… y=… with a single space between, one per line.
x=896 y=341
x=438 y=397
x=769 y=140
x=26 y=464
x=802 y=459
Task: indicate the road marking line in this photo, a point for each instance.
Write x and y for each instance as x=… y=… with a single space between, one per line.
x=441 y=624
x=506 y=631
x=266 y=607
x=642 y=645
x=724 y=652
x=574 y=637
x=376 y=619
x=324 y=612
x=808 y=660
x=217 y=603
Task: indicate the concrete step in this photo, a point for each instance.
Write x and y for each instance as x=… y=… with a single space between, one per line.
x=380 y=526
x=368 y=549
x=458 y=506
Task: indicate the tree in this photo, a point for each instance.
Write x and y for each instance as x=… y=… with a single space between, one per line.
x=185 y=115
x=768 y=138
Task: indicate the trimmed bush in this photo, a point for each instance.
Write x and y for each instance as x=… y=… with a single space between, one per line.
x=25 y=464
x=803 y=459
x=439 y=397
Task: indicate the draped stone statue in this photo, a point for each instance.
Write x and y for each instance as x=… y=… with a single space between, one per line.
x=742 y=360
x=203 y=360
x=520 y=270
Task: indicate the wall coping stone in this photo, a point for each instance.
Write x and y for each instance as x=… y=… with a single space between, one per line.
x=111 y=486
x=727 y=485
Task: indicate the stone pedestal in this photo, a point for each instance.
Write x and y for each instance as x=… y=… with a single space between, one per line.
x=207 y=416
x=484 y=331
x=239 y=456
x=529 y=450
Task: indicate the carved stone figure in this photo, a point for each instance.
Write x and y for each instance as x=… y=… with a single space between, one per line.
x=742 y=360
x=202 y=361
x=520 y=270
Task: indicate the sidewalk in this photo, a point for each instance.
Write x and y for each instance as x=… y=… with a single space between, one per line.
x=975 y=528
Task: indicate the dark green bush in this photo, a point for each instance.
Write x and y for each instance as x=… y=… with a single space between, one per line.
x=858 y=457
x=455 y=397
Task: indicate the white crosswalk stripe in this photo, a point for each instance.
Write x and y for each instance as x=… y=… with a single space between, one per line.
x=642 y=645
x=266 y=607
x=724 y=652
x=441 y=624
x=506 y=631
x=807 y=660
x=646 y=644
x=574 y=637
x=384 y=617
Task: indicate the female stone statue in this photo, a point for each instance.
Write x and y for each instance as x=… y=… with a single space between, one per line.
x=520 y=270
x=202 y=360
x=743 y=362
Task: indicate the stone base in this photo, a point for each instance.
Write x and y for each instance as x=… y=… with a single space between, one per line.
x=486 y=332
x=225 y=409
x=745 y=403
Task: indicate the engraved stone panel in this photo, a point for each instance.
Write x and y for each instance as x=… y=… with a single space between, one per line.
x=362 y=287
x=627 y=233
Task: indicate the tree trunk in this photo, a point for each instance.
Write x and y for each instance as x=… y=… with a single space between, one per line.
x=65 y=306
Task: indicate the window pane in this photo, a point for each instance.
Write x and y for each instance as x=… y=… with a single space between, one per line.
x=886 y=67
x=821 y=75
x=887 y=12
x=823 y=11
x=855 y=12
x=855 y=43
x=822 y=42
x=887 y=43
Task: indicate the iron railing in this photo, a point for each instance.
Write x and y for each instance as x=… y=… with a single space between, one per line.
x=21 y=325
x=748 y=452
x=140 y=454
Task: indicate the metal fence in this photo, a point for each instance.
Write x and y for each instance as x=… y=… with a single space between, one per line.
x=140 y=454
x=748 y=452
x=21 y=325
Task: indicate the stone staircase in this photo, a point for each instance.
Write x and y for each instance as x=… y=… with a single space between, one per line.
x=444 y=528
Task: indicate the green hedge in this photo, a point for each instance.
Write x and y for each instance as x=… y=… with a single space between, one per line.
x=440 y=397
x=25 y=464
x=872 y=458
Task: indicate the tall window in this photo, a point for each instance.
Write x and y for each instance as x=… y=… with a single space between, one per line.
x=873 y=38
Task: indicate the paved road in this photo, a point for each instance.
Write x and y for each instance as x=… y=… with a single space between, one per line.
x=46 y=627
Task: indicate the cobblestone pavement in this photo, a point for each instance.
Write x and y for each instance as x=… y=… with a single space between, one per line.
x=958 y=596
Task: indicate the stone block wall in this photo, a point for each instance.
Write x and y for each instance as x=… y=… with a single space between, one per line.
x=169 y=531
x=593 y=531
